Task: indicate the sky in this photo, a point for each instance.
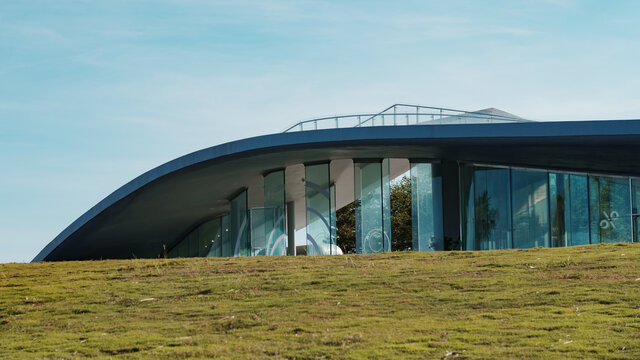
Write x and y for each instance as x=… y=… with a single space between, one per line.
x=94 y=93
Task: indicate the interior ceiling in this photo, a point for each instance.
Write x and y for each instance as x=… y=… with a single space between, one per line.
x=164 y=210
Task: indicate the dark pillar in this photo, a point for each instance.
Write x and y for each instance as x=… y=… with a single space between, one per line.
x=451 y=205
x=291 y=228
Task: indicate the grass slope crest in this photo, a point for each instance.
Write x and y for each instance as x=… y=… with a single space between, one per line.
x=580 y=302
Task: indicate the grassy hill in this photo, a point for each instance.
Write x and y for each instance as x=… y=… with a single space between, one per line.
x=581 y=302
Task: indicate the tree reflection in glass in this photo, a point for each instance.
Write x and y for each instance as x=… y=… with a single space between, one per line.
x=485 y=218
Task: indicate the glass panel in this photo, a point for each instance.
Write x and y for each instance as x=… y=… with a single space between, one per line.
x=610 y=208
x=467 y=207
x=204 y=240
x=386 y=203
x=426 y=207
x=492 y=208
x=635 y=198
x=530 y=208
x=334 y=220
x=579 y=195
x=569 y=207
x=227 y=244
x=257 y=226
x=206 y=236
x=560 y=201
x=368 y=208
x=238 y=225
x=274 y=216
x=318 y=203
x=211 y=239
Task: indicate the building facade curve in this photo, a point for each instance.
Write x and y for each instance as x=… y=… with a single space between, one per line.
x=479 y=180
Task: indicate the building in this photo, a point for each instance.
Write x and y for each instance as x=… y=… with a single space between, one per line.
x=479 y=180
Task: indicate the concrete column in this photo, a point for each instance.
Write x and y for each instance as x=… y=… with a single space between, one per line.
x=291 y=228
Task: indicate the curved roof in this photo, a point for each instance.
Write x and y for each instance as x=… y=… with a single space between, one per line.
x=162 y=205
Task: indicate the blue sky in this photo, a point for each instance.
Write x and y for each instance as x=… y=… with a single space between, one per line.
x=94 y=93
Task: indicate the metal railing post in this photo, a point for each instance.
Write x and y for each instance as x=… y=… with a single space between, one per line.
x=394 y=116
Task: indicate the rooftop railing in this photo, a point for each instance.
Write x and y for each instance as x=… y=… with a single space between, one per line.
x=403 y=114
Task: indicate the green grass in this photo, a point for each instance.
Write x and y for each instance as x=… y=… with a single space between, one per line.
x=581 y=302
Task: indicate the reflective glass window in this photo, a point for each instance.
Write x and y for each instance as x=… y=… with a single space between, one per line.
x=426 y=207
x=569 y=205
x=334 y=219
x=239 y=225
x=530 y=207
x=610 y=209
x=227 y=244
x=368 y=208
x=492 y=208
x=274 y=216
x=467 y=207
x=211 y=239
x=318 y=211
x=635 y=213
x=386 y=203
x=257 y=225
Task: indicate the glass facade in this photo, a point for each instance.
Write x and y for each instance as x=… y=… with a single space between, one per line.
x=227 y=245
x=530 y=208
x=205 y=240
x=214 y=238
x=426 y=207
x=238 y=225
x=635 y=205
x=500 y=208
x=208 y=235
x=610 y=209
x=318 y=210
x=546 y=208
x=275 y=220
x=569 y=209
x=370 y=203
x=334 y=219
x=267 y=237
x=467 y=207
x=486 y=204
x=386 y=203
x=257 y=224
